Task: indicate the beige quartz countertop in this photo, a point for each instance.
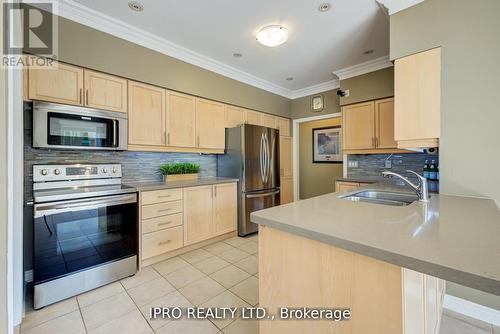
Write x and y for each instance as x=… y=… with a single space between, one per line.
x=451 y=237
x=147 y=186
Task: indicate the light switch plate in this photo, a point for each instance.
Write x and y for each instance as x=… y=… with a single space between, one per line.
x=347 y=93
x=352 y=163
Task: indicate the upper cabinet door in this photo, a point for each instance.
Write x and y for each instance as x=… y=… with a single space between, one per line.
x=417 y=89
x=63 y=84
x=286 y=168
x=146 y=114
x=358 y=122
x=283 y=125
x=105 y=91
x=234 y=116
x=268 y=121
x=181 y=120
x=210 y=121
x=225 y=208
x=384 y=123
x=253 y=117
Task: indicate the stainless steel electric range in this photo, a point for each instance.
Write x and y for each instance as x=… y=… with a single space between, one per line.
x=85 y=229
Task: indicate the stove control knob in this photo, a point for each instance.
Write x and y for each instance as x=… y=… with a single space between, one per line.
x=44 y=172
x=104 y=170
x=57 y=171
x=114 y=170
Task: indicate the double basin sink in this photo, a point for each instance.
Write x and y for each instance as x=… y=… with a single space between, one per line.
x=381 y=197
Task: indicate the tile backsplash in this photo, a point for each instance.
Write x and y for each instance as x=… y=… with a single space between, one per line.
x=374 y=164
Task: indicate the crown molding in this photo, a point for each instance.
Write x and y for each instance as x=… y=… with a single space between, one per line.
x=395 y=6
x=315 y=89
x=363 y=68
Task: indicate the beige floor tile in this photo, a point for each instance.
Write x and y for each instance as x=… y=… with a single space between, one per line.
x=108 y=309
x=174 y=299
x=233 y=255
x=248 y=290
x=242 y=326
x=185 y=326
x=219 y=247
x=143 y=276
x=149 y=291
x=249 y=264
x=184 y=276
x=211 y=265
x=50 y=312
x=68 y=323
x=226 y=299
x=196 y=255
x=451 y=325
x=98 y=294
x=253 y=237
x=229 y=276
x=236 y=241
x=168 y=266
x=249 y=247
x=201 y=290
x=130 y=323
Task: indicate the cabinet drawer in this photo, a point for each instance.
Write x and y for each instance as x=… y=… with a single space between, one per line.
x=160 y=242
x=161 y=223
x=161 y=209
x=158 y=196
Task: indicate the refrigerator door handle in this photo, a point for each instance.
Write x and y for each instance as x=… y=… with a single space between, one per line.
x=262 y=158
x=271 y=193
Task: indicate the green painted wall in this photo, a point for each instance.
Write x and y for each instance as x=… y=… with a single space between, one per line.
x=467 y=31
x=315 y=178
x=301 y=107
x=87 y=47
x=369 y=86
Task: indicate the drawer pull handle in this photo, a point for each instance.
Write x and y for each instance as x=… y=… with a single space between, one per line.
x=163 y=243
x=163 y=196
x=163 y=210
x=164 y=223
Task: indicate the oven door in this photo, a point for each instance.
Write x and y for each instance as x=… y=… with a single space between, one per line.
x=61 y=126
x=71 y=236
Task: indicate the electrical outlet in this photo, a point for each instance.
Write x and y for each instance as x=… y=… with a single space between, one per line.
x=347 y=92
x=352 y=163
x=388 y=164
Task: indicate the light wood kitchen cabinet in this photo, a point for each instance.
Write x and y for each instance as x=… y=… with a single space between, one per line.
x=283 y=125
x=104 y=91
x=286 y=189
x=210 y=124
x=157 y=243
x=225 y=208
x=417 y=88
x=198 y=214
x=268 y=121
x=358 y=123
x=384 y=123
x=62 y=84
x=345 y=186
x=286 y=167
x=234 y=116
x=253 y=117
x=146 y=115
x=181 y=120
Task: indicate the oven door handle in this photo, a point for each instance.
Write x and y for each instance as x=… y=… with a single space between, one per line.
x=46 y=209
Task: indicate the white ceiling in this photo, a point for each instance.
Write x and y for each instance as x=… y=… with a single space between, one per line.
x=319 y=43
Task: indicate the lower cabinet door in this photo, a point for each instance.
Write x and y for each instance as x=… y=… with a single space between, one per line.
x=225 y=208
x=198 y=212
x=160 y=242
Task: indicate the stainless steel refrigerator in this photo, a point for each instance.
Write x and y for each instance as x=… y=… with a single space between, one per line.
x=252 y=156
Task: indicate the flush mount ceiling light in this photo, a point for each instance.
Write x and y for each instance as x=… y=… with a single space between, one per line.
x=237 y=55
x=136 y=6
x=272 y=35
x=289 y=79
x=324 y=7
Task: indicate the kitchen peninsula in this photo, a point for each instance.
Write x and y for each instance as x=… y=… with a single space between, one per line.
x=386 y=263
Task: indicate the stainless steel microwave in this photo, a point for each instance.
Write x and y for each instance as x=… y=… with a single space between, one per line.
x=72 y=127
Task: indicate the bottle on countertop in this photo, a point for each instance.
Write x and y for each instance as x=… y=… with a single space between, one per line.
x=426 y=169
x=433 y=170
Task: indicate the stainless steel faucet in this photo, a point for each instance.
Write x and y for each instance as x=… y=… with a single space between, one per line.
x=421 y=188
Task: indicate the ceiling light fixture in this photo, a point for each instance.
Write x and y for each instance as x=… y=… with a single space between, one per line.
x=289 y=79
x=324 y=7
x=136 y=6
x=272 y=35
x=237 y=55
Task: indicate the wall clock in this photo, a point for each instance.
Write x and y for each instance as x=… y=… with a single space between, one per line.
x=317 y=103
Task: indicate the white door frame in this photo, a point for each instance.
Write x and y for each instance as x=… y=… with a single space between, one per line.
x=296 y=148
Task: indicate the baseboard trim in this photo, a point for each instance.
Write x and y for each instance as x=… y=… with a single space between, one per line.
x=472 y=310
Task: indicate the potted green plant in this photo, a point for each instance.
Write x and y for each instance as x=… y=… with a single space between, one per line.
x=180 y=171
